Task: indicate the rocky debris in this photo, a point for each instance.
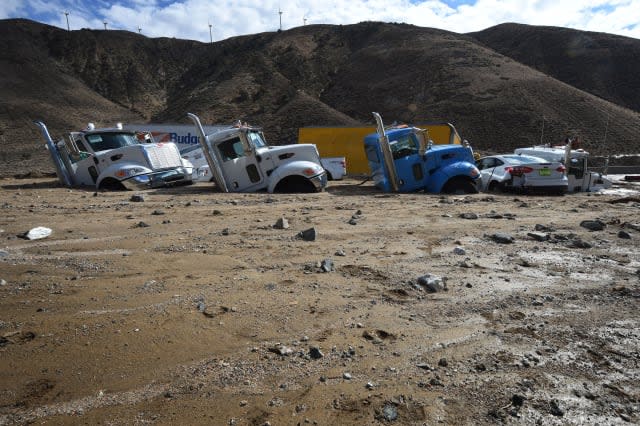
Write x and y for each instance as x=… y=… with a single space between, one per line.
x=281 y=350
x=37 y=233
x=579 y=243
x=327 y=265
x=470 y=216
x=137 y=198
x=634 y=226
x=502 y=238
x=225 y=232
x=338 y=252
x=157 y=213
x=141 y=225
x=554 y=408
x=432 y=283
x=390 y=412
x=494 y=215
x=216 y=212
x=308 y=234
x=539 y=236
x=593 y=225
x=624 y=235
x=347 y=376
x=4 y=254
x=3 y=282
x=281 y=223
x=459 y=251
x=315 y=352
x=544 y=228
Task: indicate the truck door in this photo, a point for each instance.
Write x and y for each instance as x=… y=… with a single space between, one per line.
x=83 y=158
x=240 y=167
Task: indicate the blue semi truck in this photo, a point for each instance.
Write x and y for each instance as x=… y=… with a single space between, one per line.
x=401 y=159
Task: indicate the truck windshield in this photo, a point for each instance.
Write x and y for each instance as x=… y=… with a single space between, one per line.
x=105 y=141
x=256 y=139
x=404 y=146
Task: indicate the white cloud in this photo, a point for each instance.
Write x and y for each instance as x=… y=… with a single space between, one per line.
x=190 y=19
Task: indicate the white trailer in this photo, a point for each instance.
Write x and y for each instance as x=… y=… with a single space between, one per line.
x=114 y=158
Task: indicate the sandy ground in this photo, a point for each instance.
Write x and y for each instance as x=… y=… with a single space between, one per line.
x=192 y=307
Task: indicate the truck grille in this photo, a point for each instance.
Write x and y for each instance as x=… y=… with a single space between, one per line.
x=163 y=156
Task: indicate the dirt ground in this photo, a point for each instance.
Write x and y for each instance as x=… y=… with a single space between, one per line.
x=193 y=307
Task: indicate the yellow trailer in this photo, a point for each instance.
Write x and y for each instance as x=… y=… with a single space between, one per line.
x=348 y=142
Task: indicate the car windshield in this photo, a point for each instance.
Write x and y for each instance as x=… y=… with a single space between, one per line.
x=105 y=141
x=523 y=159
x=256 y=138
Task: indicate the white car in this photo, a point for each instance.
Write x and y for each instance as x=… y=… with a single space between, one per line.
x=521 y=172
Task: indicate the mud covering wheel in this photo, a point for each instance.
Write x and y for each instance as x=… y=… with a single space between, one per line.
x=110 y=184
x=459 y=186
x=294 y=184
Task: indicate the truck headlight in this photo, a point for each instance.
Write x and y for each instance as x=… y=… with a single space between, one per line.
x=125 y=173
x=474 y=173
x=312 y=171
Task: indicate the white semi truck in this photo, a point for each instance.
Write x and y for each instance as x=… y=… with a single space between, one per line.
x=238 y=159
x=575 y=161
x=114 y=158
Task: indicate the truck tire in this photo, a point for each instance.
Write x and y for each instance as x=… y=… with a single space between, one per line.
x=111 y=184
x=294 y=184
x=459 y=186
x=495 y=187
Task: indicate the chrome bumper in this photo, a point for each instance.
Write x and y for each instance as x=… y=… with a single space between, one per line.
x=180 y=175
x=319 y=181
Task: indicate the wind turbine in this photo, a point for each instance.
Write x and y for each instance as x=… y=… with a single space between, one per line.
x=66 y=14
x=210 y=34
x=280 y=12
x=105 y=24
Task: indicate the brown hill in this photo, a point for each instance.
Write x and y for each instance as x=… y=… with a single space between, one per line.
x=311 y=75
x=603 y=64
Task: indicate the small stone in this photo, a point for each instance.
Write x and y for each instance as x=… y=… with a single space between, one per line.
x=502 y=238
x=443 y=362
x=2 y=283
x=538 y=236
x=281 y=223
x=308 y=234
x=544 y=228
x=390 y=412
x=315 y=353
x=593 y=225
x=517 y=400
x=339 y=252
x=469 y=216
x=141 y=225
x=327 y=265
x=157 y=213
x=216 y=212
x=3 y=254
x=225 y=231
x=370 y=385
x=459 y=251
x=137 y=198
x=555 y=409
x=432 y=283
x=624 y=235
x=347 y=376
x=243 y=403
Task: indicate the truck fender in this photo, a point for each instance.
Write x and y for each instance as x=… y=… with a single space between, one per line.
x=463 y=169
x=305 y=169
x=122 y=171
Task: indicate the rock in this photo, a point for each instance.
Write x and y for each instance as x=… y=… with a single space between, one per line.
x=370 y=385
x=338 y=252
x=621 y=234
x=538 y=236
x=469 y=215
x=281 y=223
x=225 y=231
x=543 y=228
x=308 y=234
x=216 y=213
x=137 y=198
x=578 y=243
x=443 y=362
x=352 y=221
x=390 y=412
x=347 y=376
x=2 y=283
x=327 y=265
x=555 y=409
x=517 y=400
x=424 y=366
x=315 y=352
x=432 y=283
x=459 y=251
x=3 y=254
x=502 y=238
x=141 y=225
x=593 y=225
x=157 y=213
x=281 y=350
x=37 y=233
x=634 y=226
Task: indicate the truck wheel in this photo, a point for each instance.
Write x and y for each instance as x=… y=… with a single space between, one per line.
x=110 y=184
x=458 y=186
x=294 y=184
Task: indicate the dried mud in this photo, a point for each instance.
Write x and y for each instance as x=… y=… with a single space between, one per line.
x=192 y=308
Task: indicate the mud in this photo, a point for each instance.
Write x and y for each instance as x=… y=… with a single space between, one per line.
x=211 y=315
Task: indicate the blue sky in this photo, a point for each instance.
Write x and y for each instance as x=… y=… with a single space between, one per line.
x=190 y=19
